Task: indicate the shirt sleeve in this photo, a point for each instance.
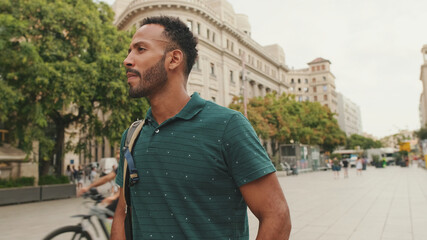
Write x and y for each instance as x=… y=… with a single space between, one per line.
x=119 y=173
x=247 y=160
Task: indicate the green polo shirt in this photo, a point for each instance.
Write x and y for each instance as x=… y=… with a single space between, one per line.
x=191 y=167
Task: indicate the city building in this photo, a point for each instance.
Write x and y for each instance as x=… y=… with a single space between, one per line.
x=423 y=98
x=315 y=84
x=349 y=116
x=225 y=48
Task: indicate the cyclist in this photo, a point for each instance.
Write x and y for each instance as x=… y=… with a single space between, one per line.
x=111 y=201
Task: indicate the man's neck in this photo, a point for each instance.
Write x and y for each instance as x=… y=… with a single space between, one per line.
x=167 y=104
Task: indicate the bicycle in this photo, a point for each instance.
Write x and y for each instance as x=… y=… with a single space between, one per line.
x=80 y=231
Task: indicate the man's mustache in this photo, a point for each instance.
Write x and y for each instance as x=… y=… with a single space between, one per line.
x=133 y=71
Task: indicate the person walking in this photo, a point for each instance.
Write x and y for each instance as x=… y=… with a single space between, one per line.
x=201 y=164
x=336 y=167
x=345 y=167
x=359 y=166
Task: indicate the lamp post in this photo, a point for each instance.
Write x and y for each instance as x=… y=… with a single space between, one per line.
x=244 y=86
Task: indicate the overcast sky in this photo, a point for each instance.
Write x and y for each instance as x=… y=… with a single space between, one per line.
x=374 y=47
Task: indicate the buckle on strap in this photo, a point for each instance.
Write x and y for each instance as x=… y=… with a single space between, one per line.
x=133 y=172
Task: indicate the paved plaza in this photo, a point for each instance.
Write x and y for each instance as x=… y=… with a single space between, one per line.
x=381 y=204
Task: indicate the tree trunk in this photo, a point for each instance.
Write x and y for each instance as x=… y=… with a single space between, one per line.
x=59 y=147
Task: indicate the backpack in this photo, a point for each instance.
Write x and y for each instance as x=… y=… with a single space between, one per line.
x=130 y=173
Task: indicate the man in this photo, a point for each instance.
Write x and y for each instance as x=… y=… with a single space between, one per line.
x=200 y=164
x=111 y=201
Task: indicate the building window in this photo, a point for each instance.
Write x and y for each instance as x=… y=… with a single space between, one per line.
x=307 y=98
x=208 y=33
x=212 y=69
x=324 y=78
x=198 y=28
x=291 y=89
x=190 y=25
x=313 y=69
x=197 y=64
x=299 y=98
x=299 y=80
x=314 y=80
x=299 y=89
x=232 y=46
x=325 y=97
x=323 y=67
x=213 y=37
x=292 y=80
x=315 y=98
x=228 y=44
x=213 y=99
x=232 y=77
x=305 y=89
x=306 y=80
x=325 y=88
x=314 y=89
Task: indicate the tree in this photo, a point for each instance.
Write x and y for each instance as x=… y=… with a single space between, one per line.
x=422 y=133
x=282 y=120
x=356 y=140
x=61 y=66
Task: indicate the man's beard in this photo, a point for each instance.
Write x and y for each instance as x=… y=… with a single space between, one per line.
x=152 y=80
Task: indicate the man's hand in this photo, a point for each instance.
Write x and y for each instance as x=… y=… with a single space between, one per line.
x=82 y=190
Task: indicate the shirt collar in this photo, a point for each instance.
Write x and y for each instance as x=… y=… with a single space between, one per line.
x=193 y=107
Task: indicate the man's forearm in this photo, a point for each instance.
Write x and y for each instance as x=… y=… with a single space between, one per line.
x=274 y=228
x=118 y=226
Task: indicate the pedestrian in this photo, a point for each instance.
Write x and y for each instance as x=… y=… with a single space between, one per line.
x=74 y=174
x=69 y=173
x=336 y=167
x=345 y=167
x=92 y=175
x=79 y=177
x=359 y=166
x=201 y=164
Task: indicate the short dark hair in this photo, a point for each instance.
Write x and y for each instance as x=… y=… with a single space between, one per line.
x=180 y=35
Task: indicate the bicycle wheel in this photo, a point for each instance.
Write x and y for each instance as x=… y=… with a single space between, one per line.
x=69 y=232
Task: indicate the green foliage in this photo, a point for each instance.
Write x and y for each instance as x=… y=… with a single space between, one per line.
x=283 y=119
x=49 y=180
x=422 y=133
x=19 y=182
x=335 y=155
x=61 y=66
x=356 y=140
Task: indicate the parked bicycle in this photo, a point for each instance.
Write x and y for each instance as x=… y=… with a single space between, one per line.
x=103 y=215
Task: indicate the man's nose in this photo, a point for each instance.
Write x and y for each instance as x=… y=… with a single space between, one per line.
x=128 y=62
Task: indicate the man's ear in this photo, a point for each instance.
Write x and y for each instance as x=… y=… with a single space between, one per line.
x=175 y=59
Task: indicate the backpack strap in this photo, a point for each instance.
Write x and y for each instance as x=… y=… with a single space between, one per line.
x=131 y=177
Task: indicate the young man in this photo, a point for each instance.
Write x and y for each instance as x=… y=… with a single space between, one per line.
x=200 y=164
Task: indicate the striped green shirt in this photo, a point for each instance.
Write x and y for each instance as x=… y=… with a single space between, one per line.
x=191 y=167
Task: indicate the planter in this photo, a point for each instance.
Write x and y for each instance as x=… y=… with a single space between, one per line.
x=35 y=194
x=57 y=191
x=19 y=195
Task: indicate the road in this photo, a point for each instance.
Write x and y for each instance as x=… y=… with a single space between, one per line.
x=383 y=204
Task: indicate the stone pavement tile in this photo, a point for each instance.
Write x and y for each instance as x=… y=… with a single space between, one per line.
x=374 y=234
x=399 y=221
x=397 y=232
x=305 y=236
x=401 y=228
x=331 y=236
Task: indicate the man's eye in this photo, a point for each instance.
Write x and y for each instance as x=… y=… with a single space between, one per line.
x=140 y=49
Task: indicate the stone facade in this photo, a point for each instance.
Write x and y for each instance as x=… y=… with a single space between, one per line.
x=315 y=84
x=423 y=78
x=225 y=48
x=349 y=117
